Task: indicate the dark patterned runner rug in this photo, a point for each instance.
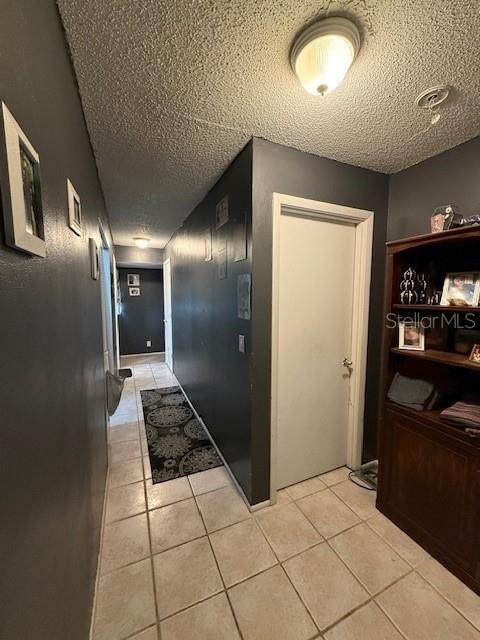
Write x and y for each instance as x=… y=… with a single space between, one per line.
x=178 y=444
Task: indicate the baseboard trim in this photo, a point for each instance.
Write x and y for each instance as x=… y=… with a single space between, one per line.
x=251 y=508
x=148 y=353
x=102 y=529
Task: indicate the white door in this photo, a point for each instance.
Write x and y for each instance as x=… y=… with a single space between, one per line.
x=315 y=302
x=167 y=296
x=107 y=308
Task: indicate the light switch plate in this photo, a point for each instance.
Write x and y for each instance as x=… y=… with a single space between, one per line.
x=241 y=343
x=149 y=343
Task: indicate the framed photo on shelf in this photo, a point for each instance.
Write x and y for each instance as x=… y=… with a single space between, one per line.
x=411 y=336
x=74 y=209
x=21 y=189
x=475 y=354
x=461 y=289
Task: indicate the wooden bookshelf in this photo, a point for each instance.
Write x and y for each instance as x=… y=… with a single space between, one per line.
x=429 y=470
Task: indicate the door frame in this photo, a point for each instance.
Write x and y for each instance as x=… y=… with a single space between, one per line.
x=167 y=262
x=363 y=221
x=109 y=309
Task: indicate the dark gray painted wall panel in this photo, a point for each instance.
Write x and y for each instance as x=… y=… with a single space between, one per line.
x=452 y=177
x=284 y=170
x=142 y=316
x=205 y=324
x=52 y=422
x=141 y=258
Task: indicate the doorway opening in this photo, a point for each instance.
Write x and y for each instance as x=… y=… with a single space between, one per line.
x=320 y=308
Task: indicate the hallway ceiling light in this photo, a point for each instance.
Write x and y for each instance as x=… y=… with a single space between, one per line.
x=141 y=243
x=322 y=54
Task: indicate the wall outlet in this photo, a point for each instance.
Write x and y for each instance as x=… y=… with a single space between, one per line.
x=149 y=343
x=241 y=343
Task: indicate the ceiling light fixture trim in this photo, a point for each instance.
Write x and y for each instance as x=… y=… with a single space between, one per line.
x=323 y=53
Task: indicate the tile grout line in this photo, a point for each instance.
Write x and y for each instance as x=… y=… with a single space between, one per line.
x=415 y=570
x=225 y=590
x=152 y=565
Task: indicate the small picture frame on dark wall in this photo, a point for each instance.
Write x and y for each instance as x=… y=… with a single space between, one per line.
x=221 y=257
x=133 y=279
x=21 y=188
x=240 y=238
x=207 y=238
x=134 y=291
x=74 y=209
x=411 y=336
x=221 y=212
x=244 y=288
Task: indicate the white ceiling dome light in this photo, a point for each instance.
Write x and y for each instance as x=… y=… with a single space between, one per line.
x=141 y=243
x=322 y=54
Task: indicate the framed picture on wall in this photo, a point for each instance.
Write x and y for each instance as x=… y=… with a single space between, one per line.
x=134 y=291
x=222 y=257
x=74 y=209
x=221 y=212
x=133 y=279
x=21 y=188
x=207 y=238
x=240 y=238
x=244 y=287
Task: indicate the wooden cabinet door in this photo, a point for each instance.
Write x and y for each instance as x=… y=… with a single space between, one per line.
x=430 y=486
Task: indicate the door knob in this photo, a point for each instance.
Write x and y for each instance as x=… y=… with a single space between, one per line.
x=347 y=363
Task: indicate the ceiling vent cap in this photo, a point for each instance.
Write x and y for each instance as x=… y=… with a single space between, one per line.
x=433 y=97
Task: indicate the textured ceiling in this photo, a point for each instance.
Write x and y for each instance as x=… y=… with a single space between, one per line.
x=173 y=89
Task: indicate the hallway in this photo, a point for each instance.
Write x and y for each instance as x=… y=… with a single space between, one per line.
x=187 y=557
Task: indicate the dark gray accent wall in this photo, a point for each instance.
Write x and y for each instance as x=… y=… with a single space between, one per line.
x=284 y=170
x=141 y=258
x=207 y=362
x=142 y=316
x=452 y=177
x=52 y=420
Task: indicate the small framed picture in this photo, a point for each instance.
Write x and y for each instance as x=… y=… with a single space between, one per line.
x=133 y=279
x=461 y=290
x=475 y=354
x=74 y=209
x=207 y=238
x=221 y=212
x=21 y=189
x=94 y=260
x=411 y=336
x=134 y=291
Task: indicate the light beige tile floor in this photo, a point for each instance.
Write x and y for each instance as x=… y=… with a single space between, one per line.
x=186 y=560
